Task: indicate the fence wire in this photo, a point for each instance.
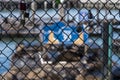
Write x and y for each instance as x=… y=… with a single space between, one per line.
x=59 y=39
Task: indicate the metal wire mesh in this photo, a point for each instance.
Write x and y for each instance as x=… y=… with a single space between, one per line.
x=59 y=39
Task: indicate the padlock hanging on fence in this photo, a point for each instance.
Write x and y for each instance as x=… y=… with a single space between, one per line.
x=23 y=10
x=22 y=5
x=26 y=15
x=90 y=15
x=22 y=21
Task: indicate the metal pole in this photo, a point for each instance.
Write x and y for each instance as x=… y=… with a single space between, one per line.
x=110 y=49
x=107 y=48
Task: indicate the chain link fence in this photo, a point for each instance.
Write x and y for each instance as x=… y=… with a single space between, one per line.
x=59 y=39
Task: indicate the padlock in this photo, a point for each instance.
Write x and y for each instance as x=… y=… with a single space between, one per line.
x=22 y=5
x=26 y=15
